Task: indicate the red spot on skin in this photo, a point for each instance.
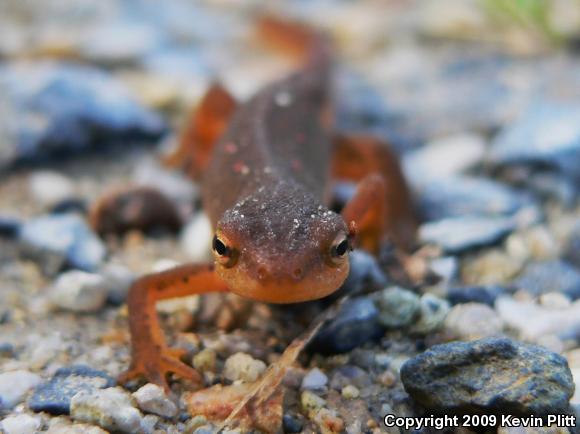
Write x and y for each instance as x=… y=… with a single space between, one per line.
x=231 y=148
x=296 y=164
x=240 y=167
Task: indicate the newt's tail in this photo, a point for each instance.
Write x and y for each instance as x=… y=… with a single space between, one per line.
x=311 y=46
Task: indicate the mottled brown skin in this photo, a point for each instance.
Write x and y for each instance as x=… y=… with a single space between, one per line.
x=265 y=188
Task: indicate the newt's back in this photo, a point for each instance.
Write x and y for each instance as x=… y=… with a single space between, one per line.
x=279 y=136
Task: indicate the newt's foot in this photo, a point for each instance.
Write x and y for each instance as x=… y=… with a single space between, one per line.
x=155 y=368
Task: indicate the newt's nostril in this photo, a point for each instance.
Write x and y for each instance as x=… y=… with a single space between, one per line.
x=297 y=273
x=262 y=273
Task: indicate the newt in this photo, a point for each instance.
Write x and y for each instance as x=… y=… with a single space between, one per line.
x=266 y=168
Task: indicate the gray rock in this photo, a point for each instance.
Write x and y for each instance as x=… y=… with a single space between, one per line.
x=355 y=324
x=472 y=321
x=458 y=234
x=398 y=307
x=121 y=42
x=315 y=379
x=66 y=236
x=551 y=276
x=489 y=376
x=50 y=108
x=547 y=321
x=118 y=280
x=14 y=385
x=20 y=424
x=446 y=267
x=55 y=395
x=443 y=158
x=152 y=399
x=547 y=135
x=349 y=375
x=49 y=187
x=111 y=409
x=432 y=313
x=468 y=196
x=79 y=291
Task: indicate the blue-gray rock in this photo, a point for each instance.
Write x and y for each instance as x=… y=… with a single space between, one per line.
x=494 y=375
x=365 y=273
x=9 y=227
x=398 y=307
x=475 y=294
x=315 y=379
x=55 y=395
x=546 y=136
x=291 y=423
x=49 y=109
x=551 y=276
x=356 y=323
x=7 y=349
x=432 y=313
x=349 y=374
x=572 y=248
x=446 y=267
x=458 y=234
x=467 y=196
x=65 y=235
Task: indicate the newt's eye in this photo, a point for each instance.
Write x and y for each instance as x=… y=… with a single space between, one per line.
x=339 y=249
x=224 y=254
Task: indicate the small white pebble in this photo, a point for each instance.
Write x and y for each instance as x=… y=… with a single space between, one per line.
x=315 y=379
x=310 y=401
x=196 y=238
x=243 y=367
x=49 y=188
x=111 y=409
x=78 y=291
x=350 y=392
x=151 y=399
x=20 y=424
x=14 y=385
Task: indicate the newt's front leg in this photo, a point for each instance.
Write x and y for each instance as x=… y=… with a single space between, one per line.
x=150 y=355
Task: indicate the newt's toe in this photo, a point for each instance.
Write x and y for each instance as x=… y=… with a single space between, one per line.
x=155 y=370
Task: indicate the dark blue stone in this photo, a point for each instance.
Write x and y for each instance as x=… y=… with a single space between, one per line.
x=9 y=227
x=572 y=249
x=55 y=395
x=70 y=205
x=291 y=423
x=354 y=325
x=476 y=294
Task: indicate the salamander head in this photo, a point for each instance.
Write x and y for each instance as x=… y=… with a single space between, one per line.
x=282 y=247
